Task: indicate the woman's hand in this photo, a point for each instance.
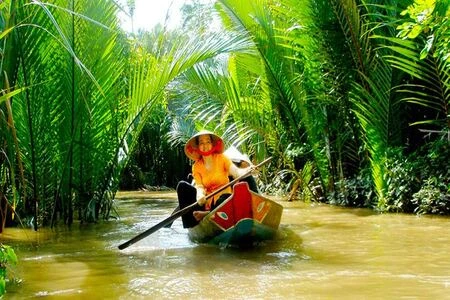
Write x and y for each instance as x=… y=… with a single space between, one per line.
x=199 y=215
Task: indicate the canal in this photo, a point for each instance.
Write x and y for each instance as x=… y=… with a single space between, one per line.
x=321 y=252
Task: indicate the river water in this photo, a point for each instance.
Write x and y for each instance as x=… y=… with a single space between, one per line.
x=321 y=252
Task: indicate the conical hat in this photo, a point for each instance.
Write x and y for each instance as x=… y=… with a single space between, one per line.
x=191 y=147
x=237 y=157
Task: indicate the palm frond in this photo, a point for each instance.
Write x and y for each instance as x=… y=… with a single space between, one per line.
x=433 y=88
x=270 y=28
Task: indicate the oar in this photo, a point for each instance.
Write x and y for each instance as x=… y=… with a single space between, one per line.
x=168 y=225
x=187 y=209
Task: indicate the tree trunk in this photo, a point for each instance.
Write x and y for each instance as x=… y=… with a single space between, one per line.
x=3 y=211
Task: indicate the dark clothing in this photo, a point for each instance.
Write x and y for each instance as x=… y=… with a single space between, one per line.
x=187 y=194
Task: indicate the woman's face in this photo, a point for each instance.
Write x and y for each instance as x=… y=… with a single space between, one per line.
x=204 y=143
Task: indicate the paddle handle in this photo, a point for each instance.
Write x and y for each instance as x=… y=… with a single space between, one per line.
x=187 y=208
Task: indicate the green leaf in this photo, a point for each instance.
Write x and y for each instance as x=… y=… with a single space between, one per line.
x=415 y=31
x=10 y=94
x=11 y=257
x=427 y=47
x=2 y=285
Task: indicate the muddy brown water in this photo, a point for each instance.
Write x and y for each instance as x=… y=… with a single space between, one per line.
x=321 y=252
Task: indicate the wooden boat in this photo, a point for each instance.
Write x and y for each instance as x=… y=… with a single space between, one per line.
x=245 y=218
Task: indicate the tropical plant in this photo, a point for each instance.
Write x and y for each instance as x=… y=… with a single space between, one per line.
x=12 y=181
x=374 y=104
x=403 y=181
x=431 y=19
x=433 y=197
x=422 y=48
x=155 y=163
x=88 y=95
x=63 y=116
x=345 y=110
x=289 y=79
x=256 y=100
x=8 y=258
x=417 y=182
x=80 y=98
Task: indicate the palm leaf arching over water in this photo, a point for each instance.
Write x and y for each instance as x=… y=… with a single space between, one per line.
x=79 y=114
x=295 y=78
x=280 y=79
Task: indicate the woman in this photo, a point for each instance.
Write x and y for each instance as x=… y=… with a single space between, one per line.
x=211 y=170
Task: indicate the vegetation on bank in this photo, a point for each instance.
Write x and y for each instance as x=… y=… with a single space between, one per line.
x=8 y=258
x=351 y=99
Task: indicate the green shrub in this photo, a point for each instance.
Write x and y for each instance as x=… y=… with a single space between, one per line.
x=7 y=257
x=356 y=192
x=402 y=182
x=419 y=182
x=433 y=197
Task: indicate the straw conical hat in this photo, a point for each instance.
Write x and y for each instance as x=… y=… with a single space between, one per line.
x=237 y=157
x=191 y=147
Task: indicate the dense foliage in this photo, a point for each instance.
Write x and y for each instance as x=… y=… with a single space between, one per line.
x=341 y=118
x=8 y=258
x=82 y=92
x=350 y=97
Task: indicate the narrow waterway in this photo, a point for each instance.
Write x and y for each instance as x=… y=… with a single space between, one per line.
x=321 y=252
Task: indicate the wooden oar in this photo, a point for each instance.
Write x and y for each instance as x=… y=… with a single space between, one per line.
x=168 y=225
x=187 y=209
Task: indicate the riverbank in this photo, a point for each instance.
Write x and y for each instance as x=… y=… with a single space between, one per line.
x=145 y=194
x=172 y=195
